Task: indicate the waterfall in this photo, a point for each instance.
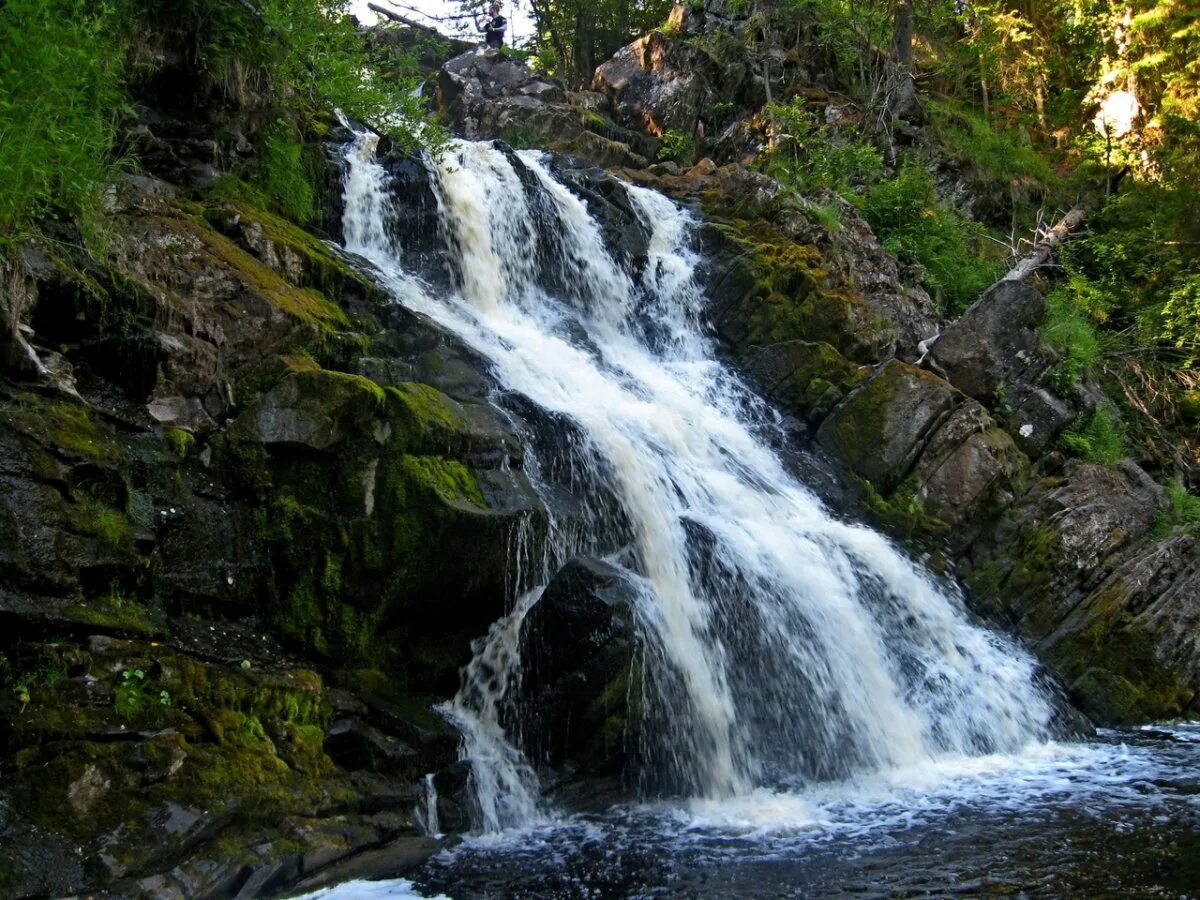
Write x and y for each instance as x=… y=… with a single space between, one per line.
x=783 y=644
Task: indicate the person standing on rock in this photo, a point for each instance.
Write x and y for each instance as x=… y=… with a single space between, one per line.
x=493 y=31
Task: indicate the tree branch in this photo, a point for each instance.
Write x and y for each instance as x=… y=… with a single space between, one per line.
x=1045 y=247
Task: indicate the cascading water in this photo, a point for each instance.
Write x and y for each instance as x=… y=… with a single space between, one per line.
x=784 y=646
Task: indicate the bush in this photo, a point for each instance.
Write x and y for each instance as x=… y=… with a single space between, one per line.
x=64 y=65
x=282 y=173
x=1072 y=314
x=1096 y=438
x=677 y=146
x=912 y=224
x=806 y=155
x=61 y=78
x=1003 y=155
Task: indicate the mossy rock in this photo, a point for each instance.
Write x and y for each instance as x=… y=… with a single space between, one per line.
x=879 y=430
x=311 y=407
x=807 y=378
x=292 y=252
x=781 y=291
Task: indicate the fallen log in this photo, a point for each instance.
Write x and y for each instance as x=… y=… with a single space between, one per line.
x=396 y=17
x=1046 y=245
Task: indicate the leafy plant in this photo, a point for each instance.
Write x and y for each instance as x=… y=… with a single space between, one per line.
x=912 y=223
x=1096 y=438
x=1069 y=328
x=131 y=694
x=677 y=146
x=61 y=78
x=282 y=174
x=806 y=155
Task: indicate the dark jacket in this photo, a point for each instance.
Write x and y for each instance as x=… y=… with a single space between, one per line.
x=494 y=30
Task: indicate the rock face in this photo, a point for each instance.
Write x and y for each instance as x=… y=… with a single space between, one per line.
x=487 y=95
x=222 y=528
x=660 y=84
x=917 y=440
x=579 y=657
x=580 y=679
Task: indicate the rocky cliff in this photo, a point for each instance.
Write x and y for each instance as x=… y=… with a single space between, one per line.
x=253 y=513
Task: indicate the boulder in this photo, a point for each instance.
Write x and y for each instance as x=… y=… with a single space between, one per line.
x=994 y=344
x=311 y=408
x=486 y=95
x=883 y=427
x=578 y=692
x=660 y=83
x=926 y=451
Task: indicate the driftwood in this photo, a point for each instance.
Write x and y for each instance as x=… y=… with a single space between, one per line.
x=1045 y=247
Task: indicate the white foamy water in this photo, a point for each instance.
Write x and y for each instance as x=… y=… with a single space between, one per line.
x=786 y=649
x=397 y=889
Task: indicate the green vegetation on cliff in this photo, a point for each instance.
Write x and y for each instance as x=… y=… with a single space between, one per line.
x=66 y=67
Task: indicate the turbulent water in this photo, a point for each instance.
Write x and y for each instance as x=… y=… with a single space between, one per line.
x=790 y=657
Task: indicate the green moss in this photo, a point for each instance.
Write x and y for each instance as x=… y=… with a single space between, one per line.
x=110 y=525
x=448 y=478
x=323 y=268
x=120 y=615
x=305 y=304
x=793 y=297
x=902 y=513
x=244 y=464
x=1110 y=662
x=322 y=382
x=65 y=426
x=180 y=441
x=425 y=408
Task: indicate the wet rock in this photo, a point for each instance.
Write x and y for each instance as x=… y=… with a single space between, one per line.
x=1049 y=566
x=882 y=428
x=1129 y=650
x=578 y=691
x=311 y=408
x=927 y=450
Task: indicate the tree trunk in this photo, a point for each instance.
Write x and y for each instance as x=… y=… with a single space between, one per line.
x=902 y=35
x=1044 y=248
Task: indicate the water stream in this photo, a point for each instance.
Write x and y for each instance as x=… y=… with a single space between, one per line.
x=799 y=668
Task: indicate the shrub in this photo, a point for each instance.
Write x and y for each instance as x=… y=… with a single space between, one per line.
x=1002 y=155
x=61 y=78
x=1096 y=438
x=911 y=223
x=282 y=173
x=806 y=155
x=677 y=146
x=1070 y=328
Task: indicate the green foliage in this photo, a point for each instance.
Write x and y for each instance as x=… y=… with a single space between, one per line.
x=1071 y=327
x=1096 y=438
x=65 y=65
x=61 y=98
x=912 y=223
x=131 y=693
x=1181 y=315
x=282 y=174
x=1184 y=512
x=1005 y=155
x=806 y=155
x=677 y=146
x=1138 y=267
